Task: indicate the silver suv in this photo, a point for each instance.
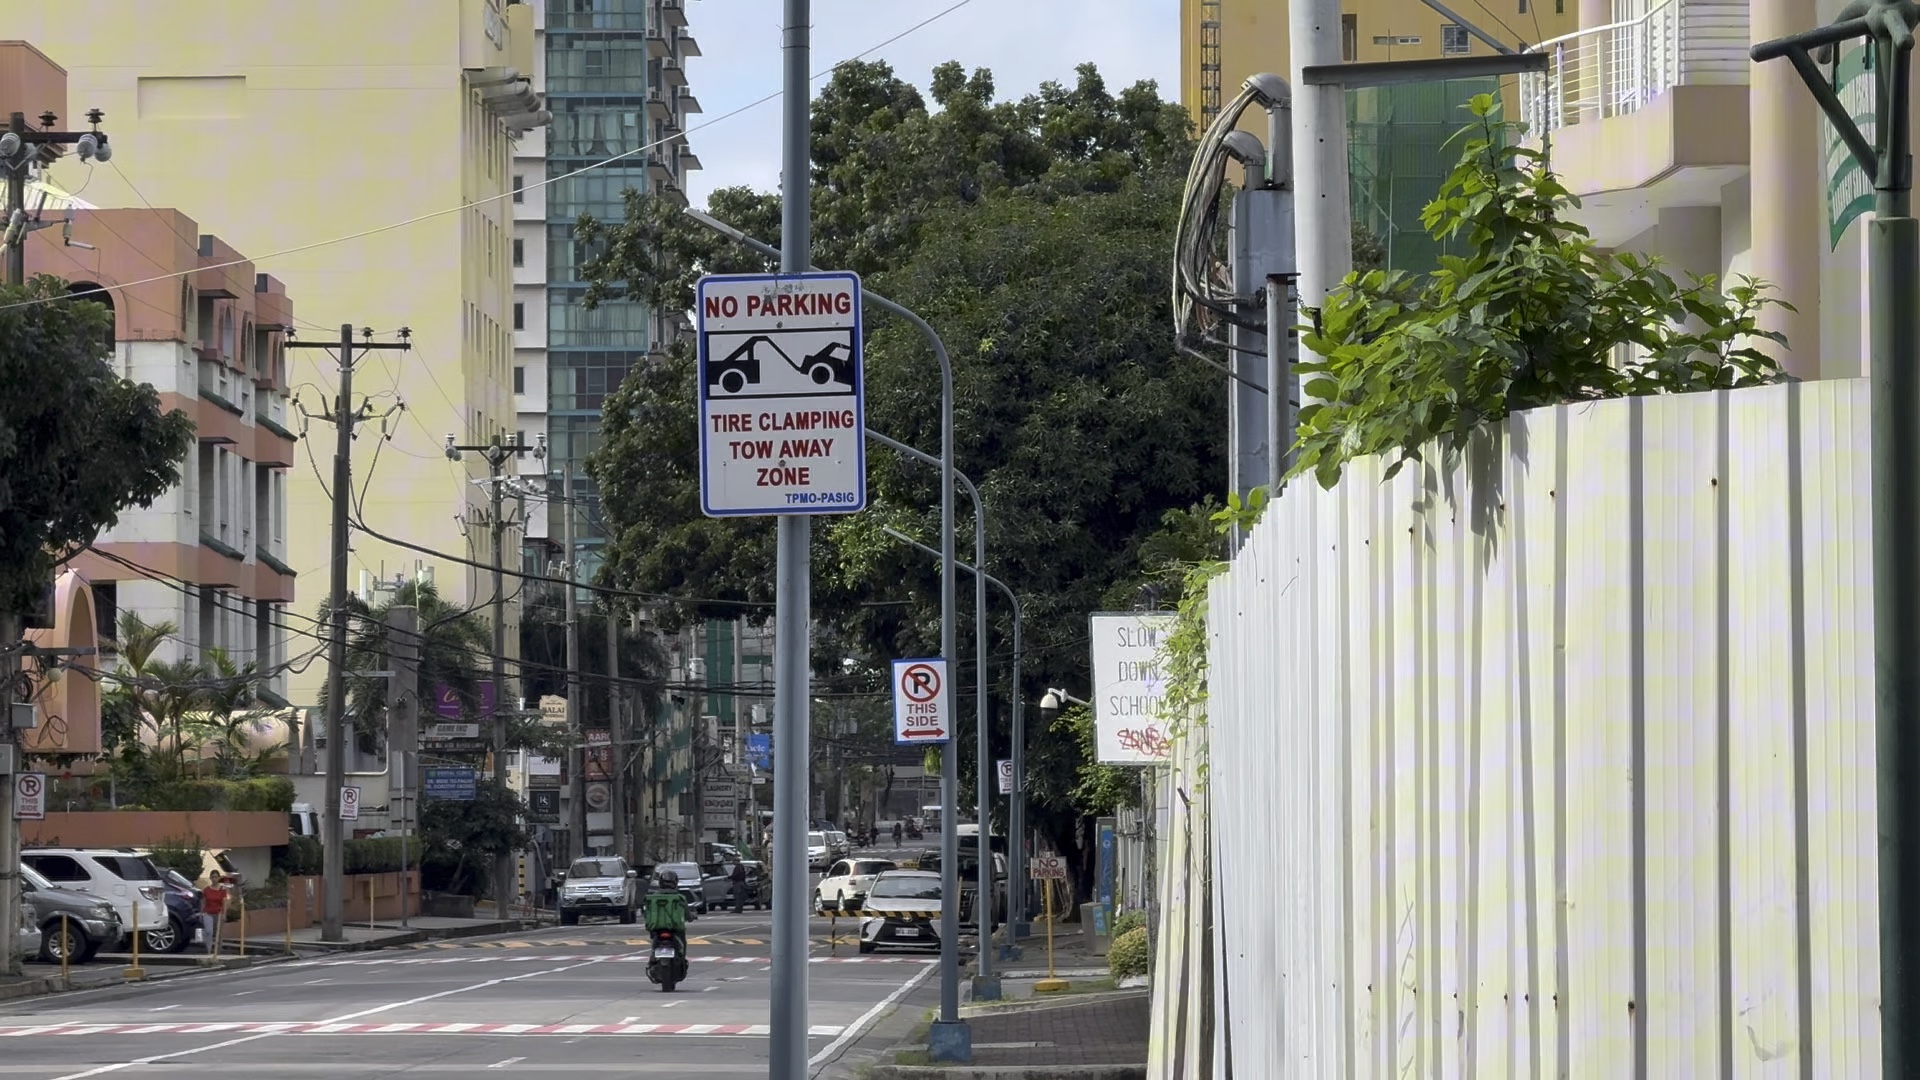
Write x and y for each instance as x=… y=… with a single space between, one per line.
x=599 y=885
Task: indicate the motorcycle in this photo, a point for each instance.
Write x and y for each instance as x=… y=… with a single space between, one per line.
x=913 y=832
x=668 y=964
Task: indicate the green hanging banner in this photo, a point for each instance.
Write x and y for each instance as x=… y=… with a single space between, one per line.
x=1849 y=189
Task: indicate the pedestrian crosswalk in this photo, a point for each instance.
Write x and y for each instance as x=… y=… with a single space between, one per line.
x=577 y=943
x=379 y=960
x=80 y=1030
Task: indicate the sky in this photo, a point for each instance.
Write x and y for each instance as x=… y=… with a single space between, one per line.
x=1023 y=42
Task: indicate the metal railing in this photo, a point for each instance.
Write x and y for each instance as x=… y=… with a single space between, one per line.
x=1617 y=69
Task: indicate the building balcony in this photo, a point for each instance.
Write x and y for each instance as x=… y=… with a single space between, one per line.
x=673 y=74
x=659 y=43
x=659 y=171
x=673 y=13
x=684 y=41
x=688 y=160
x=659 y=103
x=685 y=102
x=1645 y=114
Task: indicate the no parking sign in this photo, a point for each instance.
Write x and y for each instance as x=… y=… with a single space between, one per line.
x=349 y=804
x=30 y=796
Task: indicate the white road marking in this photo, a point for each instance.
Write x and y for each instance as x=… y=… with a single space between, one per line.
x=163 y=1008
x=671 y=1004
x=504 y=1064
x=152 y=1059
x=244 y=993
x=854 y=1029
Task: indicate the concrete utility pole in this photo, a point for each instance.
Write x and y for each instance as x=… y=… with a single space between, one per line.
x=1324 y=203
x=497 y=454
x=20 y=147
x=344 y=416
x=577 y=778
x=1893 y=258
x=792 y=614
x=617 y=734
x=403 y=732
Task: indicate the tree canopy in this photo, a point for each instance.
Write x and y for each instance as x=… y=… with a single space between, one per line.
x=1035 y=235
x=78 y=443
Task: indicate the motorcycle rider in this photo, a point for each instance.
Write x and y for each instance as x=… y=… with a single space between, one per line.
x=667 y=910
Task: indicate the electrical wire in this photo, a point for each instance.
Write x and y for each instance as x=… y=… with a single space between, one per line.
x=468 y=205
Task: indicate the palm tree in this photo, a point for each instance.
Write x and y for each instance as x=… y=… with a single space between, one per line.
x=230 y=715
x=455 y=646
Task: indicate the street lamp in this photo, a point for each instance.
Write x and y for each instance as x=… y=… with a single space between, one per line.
x=1017 y=801
x=1054 y=700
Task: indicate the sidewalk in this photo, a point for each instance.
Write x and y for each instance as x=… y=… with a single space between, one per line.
x=108 y=970
x=1091 y=1032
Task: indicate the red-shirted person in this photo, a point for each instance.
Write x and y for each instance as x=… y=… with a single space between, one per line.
x=213 y=911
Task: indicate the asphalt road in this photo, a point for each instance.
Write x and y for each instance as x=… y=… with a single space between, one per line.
x=559 y=1002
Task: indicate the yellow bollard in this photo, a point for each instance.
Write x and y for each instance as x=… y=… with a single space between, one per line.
x=66 y=949
x=1051 y=984
x=243 y=923
x=286 y=930
x=135 y=971
x=369 y=903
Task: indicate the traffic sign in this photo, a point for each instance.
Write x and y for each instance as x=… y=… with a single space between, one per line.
x=921 y=704
x=30 y=796
x=452 y=782
x=1048 y=868
x=349 y=804
x=782 y=394
x=1005 y=769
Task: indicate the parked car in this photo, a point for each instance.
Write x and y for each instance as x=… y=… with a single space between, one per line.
x=89 y=923
x=717 y=882
x=128 y=881
x=599 y=885
x=183 y=910
x=819 y=852
x=902 y=910
x=969 y=874
x=27 y=937
x=848 y=880
x=693 y=885
x=838 y=844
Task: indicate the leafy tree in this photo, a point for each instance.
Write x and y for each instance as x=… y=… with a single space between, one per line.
x=231 y=714
x=543 y=651
x=460 y=840
x=1035 y=235
x=78 y=443
x=1533 y=314
x=455 y=645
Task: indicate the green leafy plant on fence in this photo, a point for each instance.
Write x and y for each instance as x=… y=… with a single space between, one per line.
x=1534 y=314
x=1130 y=954
x=377 y=855
x=1128 y=921
x=265 y=793
x=302 y=857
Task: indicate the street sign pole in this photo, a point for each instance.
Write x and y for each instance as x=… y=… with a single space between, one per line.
x=792 y=666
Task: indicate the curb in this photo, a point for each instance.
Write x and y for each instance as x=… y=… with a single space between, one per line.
x=1039 y=1005
x=52 y=985
x=1010 y=1073
x=1064 y=973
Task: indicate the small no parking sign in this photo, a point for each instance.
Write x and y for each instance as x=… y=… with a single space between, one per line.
x=30 y=796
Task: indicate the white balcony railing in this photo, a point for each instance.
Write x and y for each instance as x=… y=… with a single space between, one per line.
x=1618 y=69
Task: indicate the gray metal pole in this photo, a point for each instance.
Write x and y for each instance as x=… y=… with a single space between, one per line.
x=1893 y=253
x=950 y=1039
x=1017 y=811
x=332 y=829
x=403 y=730
x=1324 y=203
x=792 y=668
x=985 y=986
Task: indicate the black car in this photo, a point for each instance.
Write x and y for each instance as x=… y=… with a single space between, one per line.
x=183 y=916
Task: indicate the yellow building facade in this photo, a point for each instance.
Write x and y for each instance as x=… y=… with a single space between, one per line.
x=1222 y=42
x=358 y=150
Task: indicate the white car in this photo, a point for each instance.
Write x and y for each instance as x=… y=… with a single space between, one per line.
x=818 y=854
x=130 y=882
x=849 y=879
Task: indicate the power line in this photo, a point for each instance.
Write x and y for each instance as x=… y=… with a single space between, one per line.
x=584 y=169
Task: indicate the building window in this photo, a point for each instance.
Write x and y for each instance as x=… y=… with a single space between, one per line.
x=519 y=377
x=519 y=189
x=1523 y=7
x=1454 y=41
x=1349 y=38
x=519 y=251
x=519 y=316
